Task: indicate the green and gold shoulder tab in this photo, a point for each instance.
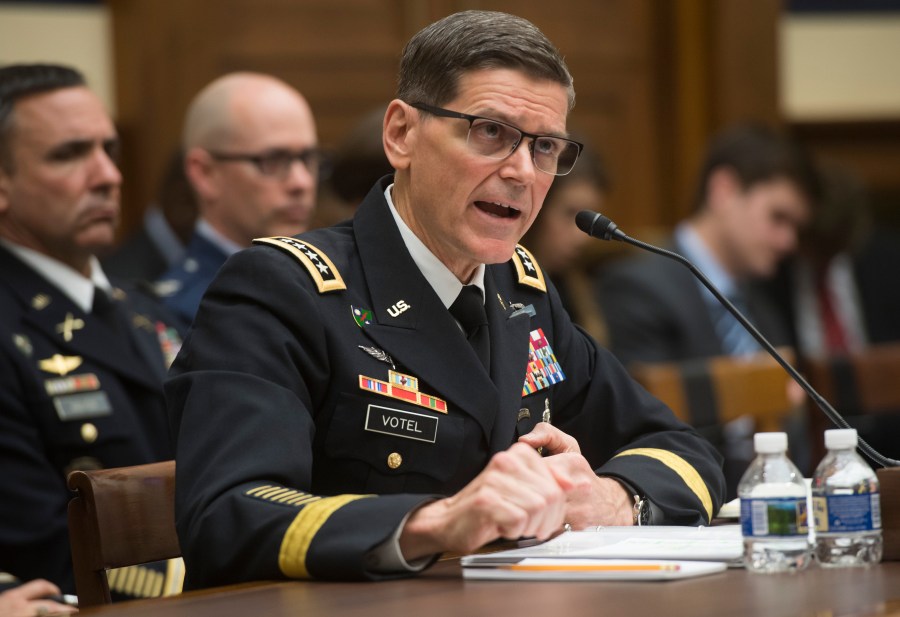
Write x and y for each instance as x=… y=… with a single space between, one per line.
x=527 y=269
x=320 y=268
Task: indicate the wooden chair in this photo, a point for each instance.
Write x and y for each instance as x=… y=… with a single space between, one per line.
x=865 y=383
x=120 y=517
x=717 y=390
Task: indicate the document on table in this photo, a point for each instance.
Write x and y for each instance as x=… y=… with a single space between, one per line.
x=592 y=570
x=721 y=544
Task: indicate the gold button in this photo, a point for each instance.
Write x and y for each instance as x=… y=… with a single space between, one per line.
x=394 y=460
x=89 y=432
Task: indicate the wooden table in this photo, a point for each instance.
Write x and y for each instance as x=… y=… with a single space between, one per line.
x=442 y=592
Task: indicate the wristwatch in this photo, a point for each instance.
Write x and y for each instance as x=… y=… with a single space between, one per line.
x=640 y=511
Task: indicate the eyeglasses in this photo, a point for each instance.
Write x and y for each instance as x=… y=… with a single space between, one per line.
x=497 y=140
x=275 y=163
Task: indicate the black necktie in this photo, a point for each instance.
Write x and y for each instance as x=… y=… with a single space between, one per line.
x=468 y=310
x=106 y=310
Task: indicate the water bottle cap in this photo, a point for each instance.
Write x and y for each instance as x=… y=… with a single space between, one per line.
x=770 y=443
x=841 y=438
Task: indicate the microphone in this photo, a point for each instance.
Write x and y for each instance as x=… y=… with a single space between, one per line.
x=598 y=226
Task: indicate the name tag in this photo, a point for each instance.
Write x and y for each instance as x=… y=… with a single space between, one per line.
x=82 y=406
x=401 y=423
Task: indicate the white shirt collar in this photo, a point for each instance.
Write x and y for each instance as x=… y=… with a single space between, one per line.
x=79 y=288
x=207 y=231
x=444 y=282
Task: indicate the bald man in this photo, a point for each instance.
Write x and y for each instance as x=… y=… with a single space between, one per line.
x=252 y=158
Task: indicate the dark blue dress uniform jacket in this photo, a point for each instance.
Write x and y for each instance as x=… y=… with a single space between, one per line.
x=283 y=467
x=93 y=401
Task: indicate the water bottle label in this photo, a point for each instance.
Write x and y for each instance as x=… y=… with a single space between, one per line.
x=847 y=513
x=779 y=516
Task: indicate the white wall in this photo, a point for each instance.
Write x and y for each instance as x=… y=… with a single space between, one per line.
x=78 y=36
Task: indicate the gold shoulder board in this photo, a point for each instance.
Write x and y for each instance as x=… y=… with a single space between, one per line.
x=527 y=269
x=320 y=268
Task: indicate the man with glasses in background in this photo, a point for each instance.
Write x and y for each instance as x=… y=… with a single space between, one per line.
x=251 y=156
x=355 y=400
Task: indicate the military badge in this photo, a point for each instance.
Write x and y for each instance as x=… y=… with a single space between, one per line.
x=404 y=388
x=59 y=364
x=23 y=344
x=69 y=325
x=169 y=342
x=362 y=316
x=543 y=368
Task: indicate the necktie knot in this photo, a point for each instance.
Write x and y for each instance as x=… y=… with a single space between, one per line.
x=468 y=310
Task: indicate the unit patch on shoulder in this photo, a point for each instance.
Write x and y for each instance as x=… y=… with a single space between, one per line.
x=320 y=268
x=527 y=269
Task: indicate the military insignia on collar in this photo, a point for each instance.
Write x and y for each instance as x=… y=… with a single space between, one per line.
x=60 y=364
x=528 y=271
x=23 y=344
x=69 y=325
x=362 y=316
x=320 y=268
x=40 y=302
x=543 y=368
x=404 y=388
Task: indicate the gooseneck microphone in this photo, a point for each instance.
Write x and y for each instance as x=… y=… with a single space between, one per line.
x=598 y=226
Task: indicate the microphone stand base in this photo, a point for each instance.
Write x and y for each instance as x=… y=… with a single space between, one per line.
x=889 y=479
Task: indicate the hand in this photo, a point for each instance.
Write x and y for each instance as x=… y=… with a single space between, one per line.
x=25 y=600
x=516 y=495
x=591 y=500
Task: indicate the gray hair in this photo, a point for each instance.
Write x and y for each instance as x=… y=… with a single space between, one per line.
x=438 y=55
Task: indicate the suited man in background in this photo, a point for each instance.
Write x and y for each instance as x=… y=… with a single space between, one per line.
x=756 y=192
x=251 y=156
x=81 y=361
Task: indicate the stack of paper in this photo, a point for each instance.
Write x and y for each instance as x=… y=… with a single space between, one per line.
x=616 y=553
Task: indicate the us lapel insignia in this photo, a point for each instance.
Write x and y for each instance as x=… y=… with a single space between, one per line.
x=40 y=302
x=543 y=368
x=362 y=316
x=69 y=325
x=169 y=342
x=378 y=354
x=399 y=307
x=59 y=364
x=404 y=388
x=142 y=322
x=23 y=344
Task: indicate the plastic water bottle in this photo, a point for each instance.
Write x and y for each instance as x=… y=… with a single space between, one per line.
x=846 y=505
x=774 y=509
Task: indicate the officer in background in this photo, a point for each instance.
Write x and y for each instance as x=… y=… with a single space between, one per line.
x=252 y=159
x=414 y=351
x=82 y=361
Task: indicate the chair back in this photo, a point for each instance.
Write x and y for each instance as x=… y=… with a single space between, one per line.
x=714 y=391
x=862 y=386
x=120 y=517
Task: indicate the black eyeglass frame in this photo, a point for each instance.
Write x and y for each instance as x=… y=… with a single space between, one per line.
x=312 y=159
x=448 y=113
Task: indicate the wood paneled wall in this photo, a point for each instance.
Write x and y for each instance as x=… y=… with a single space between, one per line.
x=654 y=78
